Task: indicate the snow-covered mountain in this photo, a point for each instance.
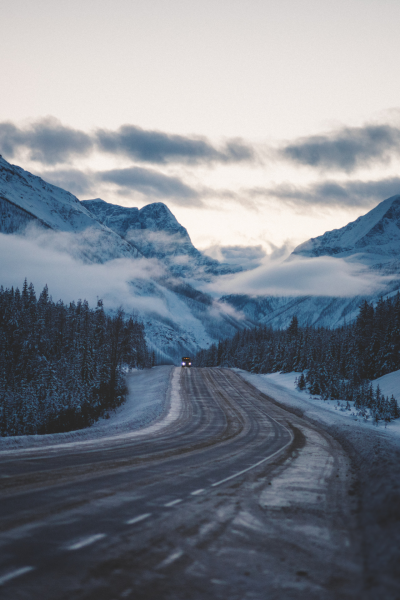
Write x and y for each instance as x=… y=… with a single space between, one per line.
x=27 y=199
x=178 y=319
x=372 y=241
x=157 y=234
x=277 y=311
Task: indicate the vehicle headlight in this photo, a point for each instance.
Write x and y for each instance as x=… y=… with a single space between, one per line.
x=183 y=364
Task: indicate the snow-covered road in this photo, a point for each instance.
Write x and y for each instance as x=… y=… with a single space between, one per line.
x=227 y=497
x=374 y=452
x=149 y=404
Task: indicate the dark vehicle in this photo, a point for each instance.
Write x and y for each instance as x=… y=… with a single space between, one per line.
x=186 y=361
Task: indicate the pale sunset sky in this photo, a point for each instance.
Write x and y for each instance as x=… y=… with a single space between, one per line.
x=259 y=123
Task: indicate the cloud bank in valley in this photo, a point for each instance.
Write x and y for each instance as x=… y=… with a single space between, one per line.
x=49 y=258
x=323 y=276
x=248 y=257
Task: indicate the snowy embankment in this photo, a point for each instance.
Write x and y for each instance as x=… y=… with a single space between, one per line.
x=281 y=387
x=153 y=401
x=375 y=455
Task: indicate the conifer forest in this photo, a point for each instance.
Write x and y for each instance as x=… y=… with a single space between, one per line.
x=337 y=364
x=62 y=367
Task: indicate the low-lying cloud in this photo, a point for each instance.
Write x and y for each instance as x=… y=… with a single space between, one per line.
x=323 y=276
x=248 y=257
x=346 y=149
x=42 y=260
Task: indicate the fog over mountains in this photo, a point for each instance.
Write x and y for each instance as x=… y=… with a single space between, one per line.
x=144 y=260
x=135 y=258
x=370 y=243
x=156 y=233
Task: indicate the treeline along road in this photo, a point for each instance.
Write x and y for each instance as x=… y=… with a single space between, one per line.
x=234 y=498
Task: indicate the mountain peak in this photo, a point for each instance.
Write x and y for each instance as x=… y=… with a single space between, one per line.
x=156 y=233
x=26 y=198
x=376 y=233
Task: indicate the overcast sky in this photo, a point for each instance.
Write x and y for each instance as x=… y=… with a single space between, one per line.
x=259 y=123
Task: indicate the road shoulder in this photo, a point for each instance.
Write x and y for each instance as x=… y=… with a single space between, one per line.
x=375 y=458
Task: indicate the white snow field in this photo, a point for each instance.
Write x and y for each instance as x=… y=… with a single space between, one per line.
x=281 y=387
x=152 y=403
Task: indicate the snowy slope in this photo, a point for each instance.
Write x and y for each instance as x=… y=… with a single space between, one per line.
x=157 y=234
x=179 y=319
x=26 y=198
x=151 y=402
x=389 y=384
x=281 y=387
x=277 y=311
x=371 y=239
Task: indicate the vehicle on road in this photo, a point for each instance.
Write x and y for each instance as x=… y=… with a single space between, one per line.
x=186 y=361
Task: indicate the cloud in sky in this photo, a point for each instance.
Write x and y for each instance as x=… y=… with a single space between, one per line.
x=160 y=148
x=345 y=149
x=50 y=142
x=248 y=257
x=332 y=193
x=323 y=276
x=47 y=141
x=77 y=182
x=151 y=183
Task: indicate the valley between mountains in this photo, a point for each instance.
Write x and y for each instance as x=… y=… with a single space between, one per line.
x=170 y=284
x=124 y=475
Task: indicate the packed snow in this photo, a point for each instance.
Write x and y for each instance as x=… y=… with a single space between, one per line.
x=152 y=403
x=373 y=237
x=281 y=387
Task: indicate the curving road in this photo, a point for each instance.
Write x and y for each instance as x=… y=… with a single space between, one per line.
x=235 y=498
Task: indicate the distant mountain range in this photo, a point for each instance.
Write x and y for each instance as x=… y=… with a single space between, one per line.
x=155 y=233
x=27 y=199
x=372 y=240
x=188 y=319
x=192 y=319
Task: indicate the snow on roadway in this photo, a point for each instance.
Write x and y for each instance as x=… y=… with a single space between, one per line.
x=281 y=387
x=152 y=403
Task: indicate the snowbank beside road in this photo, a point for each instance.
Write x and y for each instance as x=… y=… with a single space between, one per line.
x=389 y=384
x=148 y=400
x=281 y=387
x=375 y=455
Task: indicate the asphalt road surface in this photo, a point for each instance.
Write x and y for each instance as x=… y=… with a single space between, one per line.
x=237 y=498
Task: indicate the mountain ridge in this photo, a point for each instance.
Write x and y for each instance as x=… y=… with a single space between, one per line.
x=156 y=233
x=372 y=241
x=178 y=318
x=373 y=237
